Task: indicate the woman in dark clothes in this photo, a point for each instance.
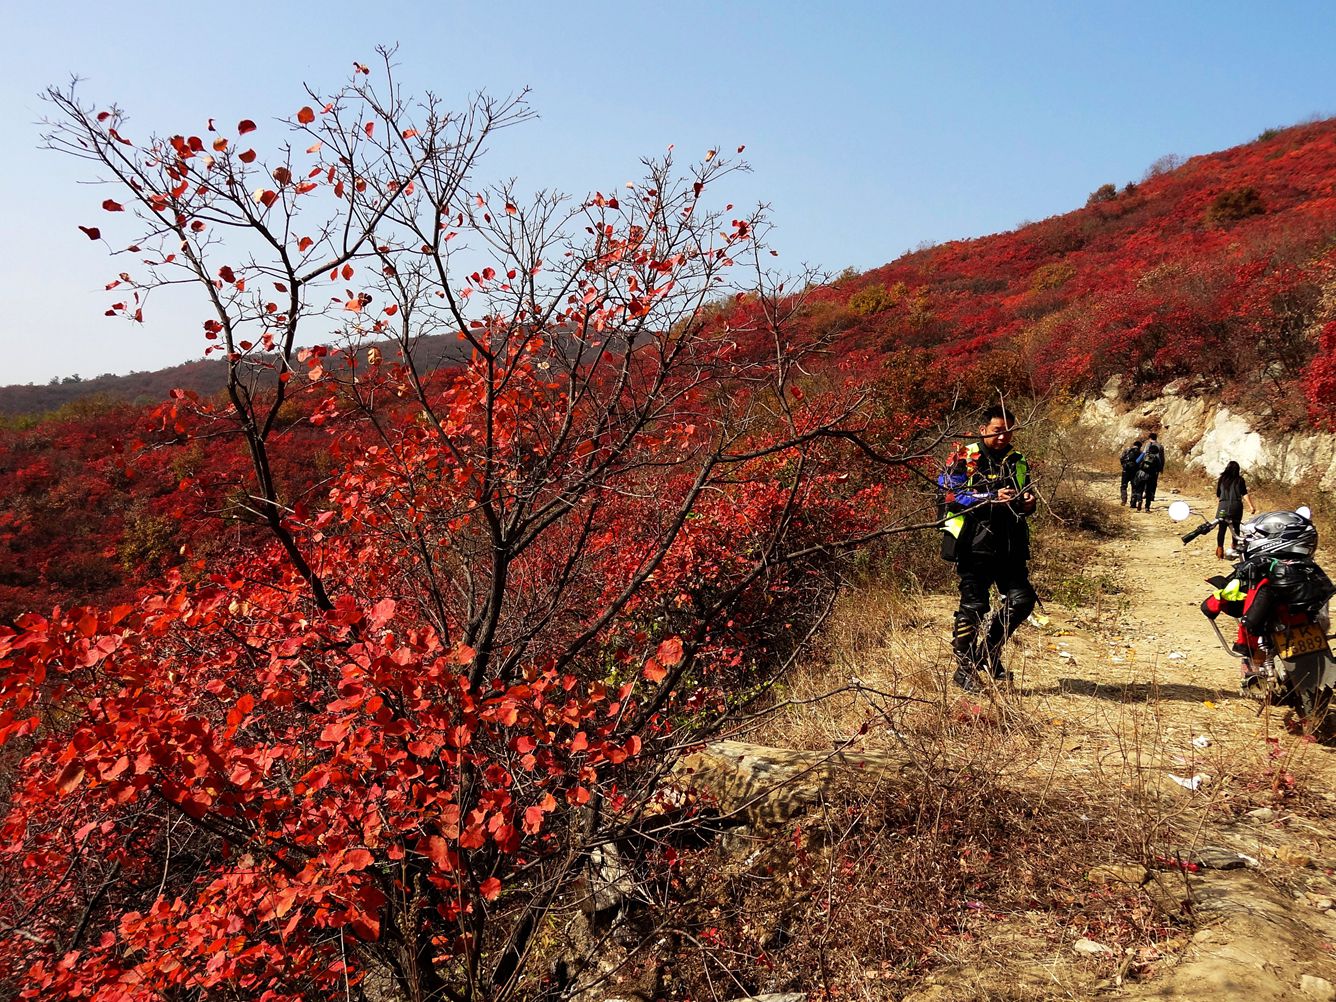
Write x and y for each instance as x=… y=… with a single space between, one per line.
x=1232 y=490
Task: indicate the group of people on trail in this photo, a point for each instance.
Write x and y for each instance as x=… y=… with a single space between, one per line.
x=1141 y=471
x=986 y=495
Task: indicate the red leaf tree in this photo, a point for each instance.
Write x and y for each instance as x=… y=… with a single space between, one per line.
x=580 y=515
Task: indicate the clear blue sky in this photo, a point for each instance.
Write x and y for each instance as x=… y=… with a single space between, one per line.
x=871 y=126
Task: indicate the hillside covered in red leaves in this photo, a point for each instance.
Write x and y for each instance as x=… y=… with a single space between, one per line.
x=339 y=681
x=1217 y=270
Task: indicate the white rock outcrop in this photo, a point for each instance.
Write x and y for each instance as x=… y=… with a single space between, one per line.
x=1206 y=437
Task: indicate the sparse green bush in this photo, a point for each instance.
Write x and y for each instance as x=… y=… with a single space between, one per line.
x=829 y=318
x=1234 y=205
x=147 y=543
x=872 y=299
x=1104 y=193
x=1053 y=275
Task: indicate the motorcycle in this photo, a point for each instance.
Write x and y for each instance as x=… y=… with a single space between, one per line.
x=1280 y=597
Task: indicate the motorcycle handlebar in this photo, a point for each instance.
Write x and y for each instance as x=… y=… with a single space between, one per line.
x=1201 y=530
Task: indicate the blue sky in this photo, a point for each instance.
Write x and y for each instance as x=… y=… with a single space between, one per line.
x=871 y=127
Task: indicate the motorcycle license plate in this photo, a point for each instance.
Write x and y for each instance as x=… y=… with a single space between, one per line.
x=1306 y=639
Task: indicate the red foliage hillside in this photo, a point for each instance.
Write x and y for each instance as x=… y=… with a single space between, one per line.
x=1214 y=270
x=416 y=643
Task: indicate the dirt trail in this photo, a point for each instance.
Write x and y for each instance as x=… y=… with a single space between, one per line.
x=1137 y=693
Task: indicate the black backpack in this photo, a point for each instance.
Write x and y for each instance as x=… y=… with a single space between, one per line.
x=1129 y=460
x=1301 y=584
x=1154 y=459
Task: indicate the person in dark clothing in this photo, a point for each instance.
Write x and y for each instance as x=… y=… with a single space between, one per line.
x=1152 y=465
x=987 y=496
x=1232 y=490
x=1128 y=461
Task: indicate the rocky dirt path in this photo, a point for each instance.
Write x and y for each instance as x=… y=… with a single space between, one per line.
x=1218 y=820
x=1142 y=695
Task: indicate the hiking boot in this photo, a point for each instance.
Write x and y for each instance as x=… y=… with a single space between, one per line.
x=966 y=678
x=1219 y=553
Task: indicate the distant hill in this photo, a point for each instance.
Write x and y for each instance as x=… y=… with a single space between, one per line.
x=203 y=376
x=1219 y=271
x=1217 y=274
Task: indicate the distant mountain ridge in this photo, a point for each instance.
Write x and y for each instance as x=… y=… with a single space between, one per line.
x=203 y=376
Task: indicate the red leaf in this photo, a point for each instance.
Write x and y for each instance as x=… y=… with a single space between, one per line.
x=382 y=612
x=347 y=272
x=356 y=859
x=306 y=116
x=490 y=889
x=111 y=205
x=409 y=133
x=438 y=851
x=654 y=671
x=70 y=777
x=370 y=128
x=304 y=244
x=245 y=126
x=670 y=652
x=92 y=232
x=365 y=925
x=247 y=157
x=392 y=309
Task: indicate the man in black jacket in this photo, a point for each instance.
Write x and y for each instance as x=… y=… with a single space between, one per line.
x=1128 y=461
x=1152 y=461
x=987 y=496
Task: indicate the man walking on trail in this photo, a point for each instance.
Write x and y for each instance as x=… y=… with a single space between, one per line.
x=1128 y=461
x=1147 y=474
x=987 y=496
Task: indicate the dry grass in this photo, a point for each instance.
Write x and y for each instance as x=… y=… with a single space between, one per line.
x=967 y=870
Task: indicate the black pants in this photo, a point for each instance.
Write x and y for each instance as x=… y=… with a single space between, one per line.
x=978 y=575
x=1151 y=483
x=1232 y=520
x=1122 y=488
x=1143 y=490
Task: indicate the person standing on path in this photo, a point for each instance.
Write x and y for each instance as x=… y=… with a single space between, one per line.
x=1153 y=462
x=1128 y=461
x=1232 y=490
x=987 y=497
